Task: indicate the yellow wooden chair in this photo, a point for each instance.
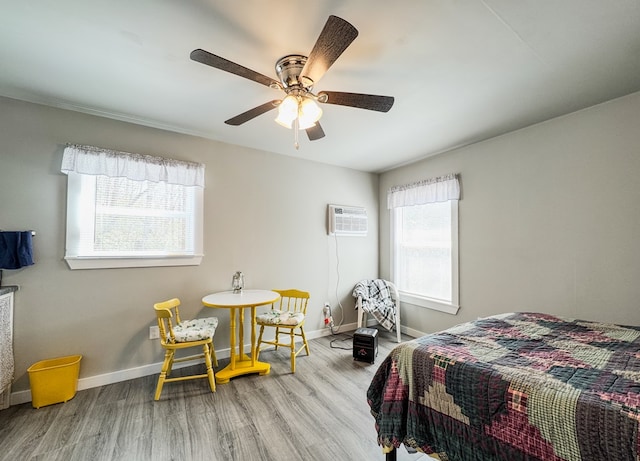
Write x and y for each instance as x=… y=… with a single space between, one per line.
x=176 y=334
x=286 y=314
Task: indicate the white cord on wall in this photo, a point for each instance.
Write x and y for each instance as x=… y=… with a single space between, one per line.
x=335 y=329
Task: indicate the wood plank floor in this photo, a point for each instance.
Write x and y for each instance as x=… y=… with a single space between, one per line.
x=320 y=413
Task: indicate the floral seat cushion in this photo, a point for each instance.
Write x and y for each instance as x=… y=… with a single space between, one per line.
x=275 y=317
x=196 y=329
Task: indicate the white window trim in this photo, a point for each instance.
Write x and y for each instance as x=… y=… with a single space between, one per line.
x=195 y=176
x=78 y=262
x=424 y=301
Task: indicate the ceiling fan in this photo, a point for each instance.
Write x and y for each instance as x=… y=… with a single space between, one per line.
x=298 y=74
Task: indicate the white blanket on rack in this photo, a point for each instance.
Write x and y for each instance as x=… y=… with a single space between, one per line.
x=6 y=343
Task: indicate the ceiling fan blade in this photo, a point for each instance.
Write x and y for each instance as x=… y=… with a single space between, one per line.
x=315 y=132
x=218 y=62
x=361 y=101
x=252 y=113
x=335 y=37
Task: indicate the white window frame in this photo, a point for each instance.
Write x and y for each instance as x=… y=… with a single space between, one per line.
x=78 y=221
x=416 y=298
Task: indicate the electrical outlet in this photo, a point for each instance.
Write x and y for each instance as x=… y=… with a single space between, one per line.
x=326 y=310
x=154 y=332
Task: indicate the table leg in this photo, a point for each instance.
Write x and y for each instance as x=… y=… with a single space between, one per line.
x=241 y=334
x=240 y=363
x=232 y=350
x=253 y=336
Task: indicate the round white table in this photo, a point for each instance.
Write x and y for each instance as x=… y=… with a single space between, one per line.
x=241 y=364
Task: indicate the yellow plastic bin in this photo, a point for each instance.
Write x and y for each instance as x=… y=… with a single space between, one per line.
x=54 y=380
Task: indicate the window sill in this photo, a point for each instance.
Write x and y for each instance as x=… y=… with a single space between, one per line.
x=429 y=303
x=77 y=262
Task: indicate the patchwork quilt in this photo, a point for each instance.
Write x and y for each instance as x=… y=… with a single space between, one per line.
x=519 y=386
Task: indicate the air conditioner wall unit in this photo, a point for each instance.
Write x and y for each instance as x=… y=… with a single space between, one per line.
x=347 y=220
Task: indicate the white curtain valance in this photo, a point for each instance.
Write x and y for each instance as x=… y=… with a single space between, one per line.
x=440 y=189
x=137 y=167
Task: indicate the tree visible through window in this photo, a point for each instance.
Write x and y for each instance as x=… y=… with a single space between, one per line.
x=142 y=217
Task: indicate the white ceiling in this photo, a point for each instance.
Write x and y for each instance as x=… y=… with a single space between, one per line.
x=460 y=70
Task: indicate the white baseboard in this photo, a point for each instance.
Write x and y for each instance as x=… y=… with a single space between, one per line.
x=406 y=330
x=89 y=382
x=411 y=332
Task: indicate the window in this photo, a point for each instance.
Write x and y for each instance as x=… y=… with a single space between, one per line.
x=425 y=244
x=115 y=221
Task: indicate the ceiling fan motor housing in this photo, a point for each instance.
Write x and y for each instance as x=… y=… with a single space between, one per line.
x=288 y=69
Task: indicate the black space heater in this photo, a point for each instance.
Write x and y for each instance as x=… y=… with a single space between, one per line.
x=365 y=344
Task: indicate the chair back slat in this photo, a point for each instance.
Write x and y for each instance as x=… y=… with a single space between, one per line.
x=293 y=300
x=165 y=312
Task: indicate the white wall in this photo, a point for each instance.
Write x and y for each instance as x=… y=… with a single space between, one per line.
x=265 y=215
x=549 y=219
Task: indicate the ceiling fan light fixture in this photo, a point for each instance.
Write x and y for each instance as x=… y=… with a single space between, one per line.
x=304 y=124
x=287 y=111
x=305 y=109
x=310 y=112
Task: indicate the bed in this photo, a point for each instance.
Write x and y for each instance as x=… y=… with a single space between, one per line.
x=517 y=386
